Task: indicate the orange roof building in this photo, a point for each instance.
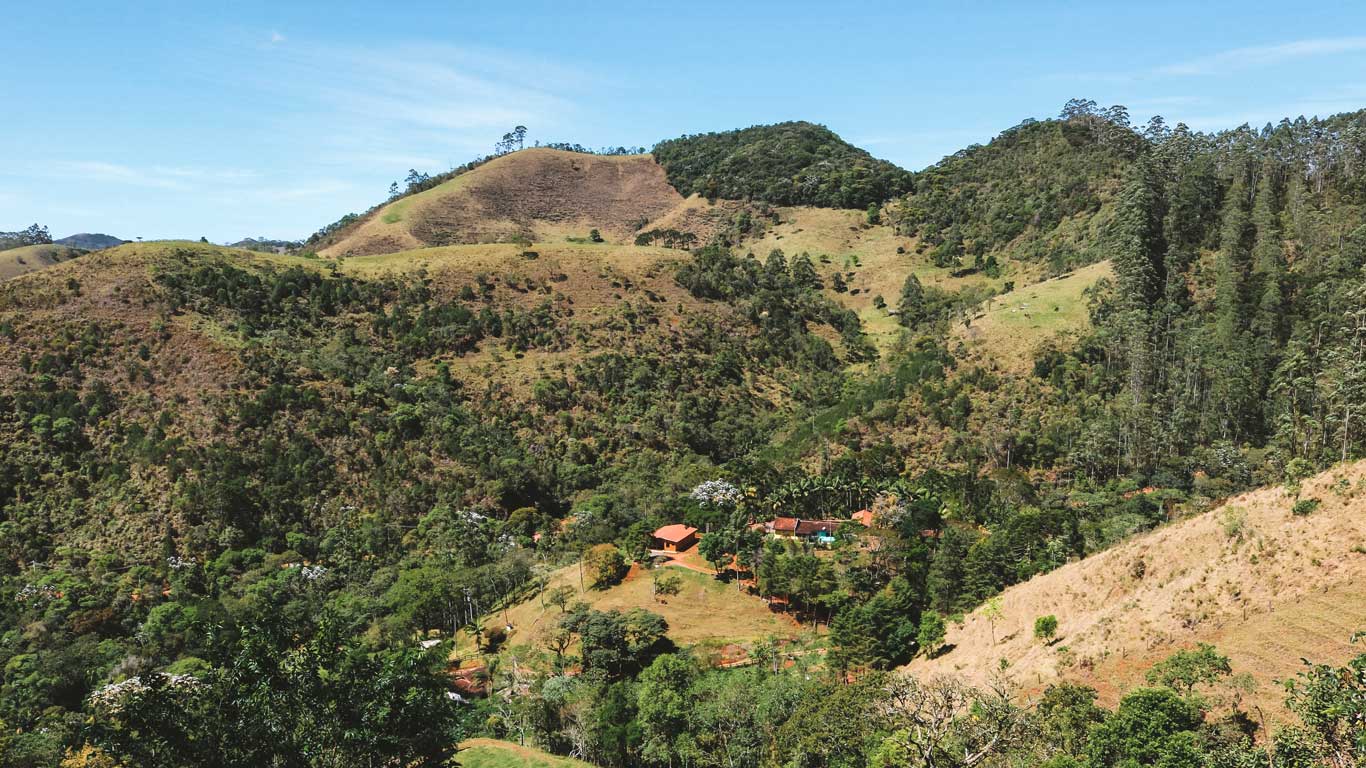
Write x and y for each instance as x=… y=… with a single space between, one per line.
x=675 y=538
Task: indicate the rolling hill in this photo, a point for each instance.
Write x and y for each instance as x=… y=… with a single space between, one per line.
x=90 y=241
x=533 y=194
x=389 y=436
x=1265 y=585
x=19 y=261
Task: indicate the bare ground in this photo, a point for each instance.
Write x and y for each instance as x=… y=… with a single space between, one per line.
x=1265 y=586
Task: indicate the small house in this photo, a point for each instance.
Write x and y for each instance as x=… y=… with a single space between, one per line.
x=675 y=538
x=816 y=531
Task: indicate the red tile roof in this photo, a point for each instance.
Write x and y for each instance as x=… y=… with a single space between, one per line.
x=808 y=527
x=864 y=517
x=675 y=533
x=799 y=527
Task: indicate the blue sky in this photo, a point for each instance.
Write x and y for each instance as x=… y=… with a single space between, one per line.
x=180 y=119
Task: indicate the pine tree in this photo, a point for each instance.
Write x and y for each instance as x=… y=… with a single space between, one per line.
x=911 y=305
x=1232 y=385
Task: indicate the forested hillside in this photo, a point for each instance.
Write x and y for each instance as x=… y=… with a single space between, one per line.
x=1040 y=190
x=259 y=504
x=795 y=163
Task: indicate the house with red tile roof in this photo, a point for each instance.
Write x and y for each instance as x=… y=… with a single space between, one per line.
x=675 y=538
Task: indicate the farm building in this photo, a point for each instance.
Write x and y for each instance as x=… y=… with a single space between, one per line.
x=816 y=531
x=675 y=538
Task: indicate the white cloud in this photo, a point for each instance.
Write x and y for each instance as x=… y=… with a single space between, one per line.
x=322 y=189
x=156 y=176
x=411 y=103
x=276 y=38
x=1263 y=55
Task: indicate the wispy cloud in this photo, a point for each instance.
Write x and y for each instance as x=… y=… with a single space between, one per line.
x=315 y=190
x=156 y=176
x=276 y=38
x=415 y=102
x=1237 y=59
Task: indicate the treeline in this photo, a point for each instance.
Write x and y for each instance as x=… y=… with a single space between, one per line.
x=1239 y=314
x=782 y=711
x=794 y=163
x=35 y=234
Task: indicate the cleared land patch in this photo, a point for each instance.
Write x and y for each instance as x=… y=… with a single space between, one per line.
x=1264 y=585
x=705 y=609
x=493 y=753
x=1013 y=325
x=536 y=194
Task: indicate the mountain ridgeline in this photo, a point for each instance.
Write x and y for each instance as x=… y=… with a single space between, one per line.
x=396 y=488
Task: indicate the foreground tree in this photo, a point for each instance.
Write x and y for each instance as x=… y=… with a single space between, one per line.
x=946 y=722
x=273 y=700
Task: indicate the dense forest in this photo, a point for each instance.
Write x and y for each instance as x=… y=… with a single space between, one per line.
x=241 y=576
x=793 y=163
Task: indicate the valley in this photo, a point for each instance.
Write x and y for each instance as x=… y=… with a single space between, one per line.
x=420 y=472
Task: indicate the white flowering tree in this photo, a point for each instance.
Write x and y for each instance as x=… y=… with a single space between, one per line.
x=717 y=493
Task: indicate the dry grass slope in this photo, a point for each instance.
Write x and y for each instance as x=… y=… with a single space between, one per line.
x=1264 y=585
x=19 y=261
x=544 y=195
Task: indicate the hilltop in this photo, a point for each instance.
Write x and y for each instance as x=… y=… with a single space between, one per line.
x=794 y=163
x=90 y=241
x=532 y=194
x=696 y=186
x=1262 y=581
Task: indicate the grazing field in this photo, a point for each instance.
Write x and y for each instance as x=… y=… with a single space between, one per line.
x=1264 y=585
x=19 y=261
x=493 y=753
x=705 y=609
x=1013 y=325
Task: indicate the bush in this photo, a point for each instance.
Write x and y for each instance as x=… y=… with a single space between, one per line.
x=1305 y=507
x=1045 y=627
x=931 y=635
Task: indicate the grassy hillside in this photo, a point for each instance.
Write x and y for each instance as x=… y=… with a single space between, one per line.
x=533 y=194
x=1040 y=191
x=1265 y=585
x=19 y=261
x=1009 y=329
x=705 y=611
x=492 y=753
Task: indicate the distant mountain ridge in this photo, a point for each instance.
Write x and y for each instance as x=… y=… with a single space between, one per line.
x=90 y=241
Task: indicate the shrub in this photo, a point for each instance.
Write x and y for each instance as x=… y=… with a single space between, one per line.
x=1305 y=507
x=931 y=635
x=1045 y=627
x=1235 y=522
